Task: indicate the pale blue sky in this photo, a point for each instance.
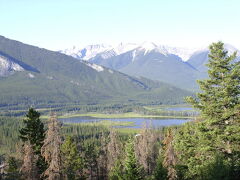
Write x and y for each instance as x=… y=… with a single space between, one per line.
x=57 y=24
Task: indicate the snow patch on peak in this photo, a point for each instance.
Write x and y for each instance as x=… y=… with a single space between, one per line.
x=92 y=50
x=183 y=53
x=134 y=55
x=73 y=51
x=87 y=52
x=163 y=50
x=117 y=50
x=122 y=48
x=108 y=54
x=95 y=67
x=147 y=47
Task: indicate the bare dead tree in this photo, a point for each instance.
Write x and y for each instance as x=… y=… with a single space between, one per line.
x=51 y=149
x=29 y=169
x=170 y=159
x=114 y=149
x=146 y=149
x=102 y=159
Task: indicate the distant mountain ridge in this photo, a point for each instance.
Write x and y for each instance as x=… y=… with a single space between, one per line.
x=178 y=66
x=91 y=51
x=30 y=75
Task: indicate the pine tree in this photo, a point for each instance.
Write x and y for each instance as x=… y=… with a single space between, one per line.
x=132 y=171
x=51 y=149
x=219 y=103
x=91 y=155
x=219 y=99
x=117 y=172
x=160 y=172
x=72 y=162
x=33 y=132
x=193 y=149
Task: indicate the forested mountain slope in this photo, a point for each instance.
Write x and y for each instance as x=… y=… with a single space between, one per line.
x=31 y=75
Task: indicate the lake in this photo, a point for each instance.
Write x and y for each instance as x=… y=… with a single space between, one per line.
x=138 y=122
x=179 y=109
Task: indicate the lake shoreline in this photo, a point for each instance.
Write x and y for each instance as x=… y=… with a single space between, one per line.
x=127 y=122
x=122 y=115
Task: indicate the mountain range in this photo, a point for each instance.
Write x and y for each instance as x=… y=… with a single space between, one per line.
x=180 y=67
x=32 y=76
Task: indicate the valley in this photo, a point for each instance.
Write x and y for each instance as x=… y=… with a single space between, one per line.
x=120 y=90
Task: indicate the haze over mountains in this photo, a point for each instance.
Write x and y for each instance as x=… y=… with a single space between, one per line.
x=178 y=66
x=31 y=75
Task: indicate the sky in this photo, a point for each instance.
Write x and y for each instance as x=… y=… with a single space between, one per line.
x=60 y=24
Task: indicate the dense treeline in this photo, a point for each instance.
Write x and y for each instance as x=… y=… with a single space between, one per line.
x=100 y=108
x=9 y=134
x=93 y=152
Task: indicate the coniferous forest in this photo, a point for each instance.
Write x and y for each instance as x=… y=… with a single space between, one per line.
x=207 y=148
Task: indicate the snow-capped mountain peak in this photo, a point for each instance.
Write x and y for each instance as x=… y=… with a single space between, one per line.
x=122 y=48
x=107 y=51
x=92 y=50
x=148 y=46
x=183 y=53
x=87 y=52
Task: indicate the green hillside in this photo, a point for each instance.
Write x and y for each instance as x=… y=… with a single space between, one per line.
x=51 y=77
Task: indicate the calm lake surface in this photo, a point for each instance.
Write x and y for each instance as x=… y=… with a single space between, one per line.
x=179 y=109
x=138 y=122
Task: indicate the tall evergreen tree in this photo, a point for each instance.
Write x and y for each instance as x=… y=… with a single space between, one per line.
x=117 y=171
x=34 y=133
x=33 y=130
x=91 y=154
x=160 y=172
x=132 y=171
x=219 y=105
x=219 y=101
x=72 y=162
